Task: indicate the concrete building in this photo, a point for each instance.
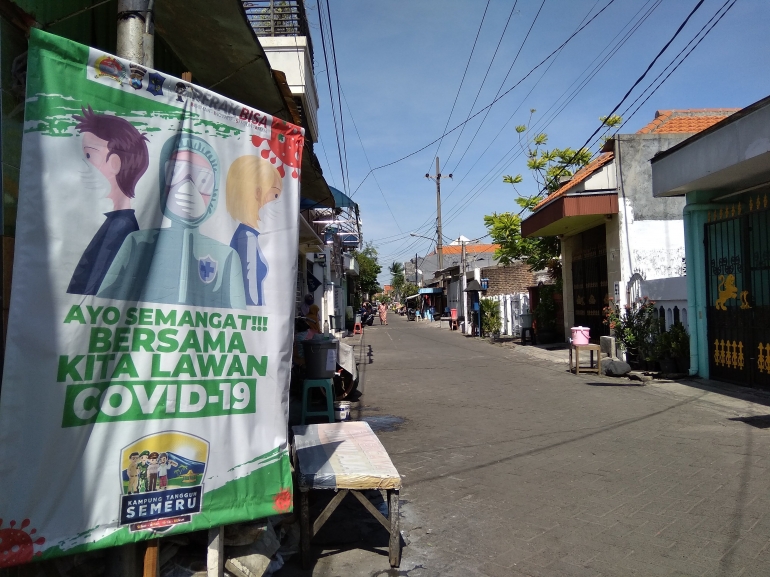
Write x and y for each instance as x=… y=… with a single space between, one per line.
x=723 y=176
x=611 y=228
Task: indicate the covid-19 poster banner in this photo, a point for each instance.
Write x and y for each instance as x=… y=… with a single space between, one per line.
x=145 y=385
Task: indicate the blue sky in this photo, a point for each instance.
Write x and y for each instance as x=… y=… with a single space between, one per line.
x=400 y=64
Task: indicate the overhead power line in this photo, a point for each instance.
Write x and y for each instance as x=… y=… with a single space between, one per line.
x=483 y=80
x=339 y=99
x=545 y=121
x=521 y=47
x=495 y=101
x=331 y=97
x=634 y=85
x=366 y=156
x=462 y=80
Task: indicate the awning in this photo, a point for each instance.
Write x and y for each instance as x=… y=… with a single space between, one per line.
x=433 y=290
x=215 y=41
x=308 y=239
x=412 y=297
x=341 y=200
x=570 y=214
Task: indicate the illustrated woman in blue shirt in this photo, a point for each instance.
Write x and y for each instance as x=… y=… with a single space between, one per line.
x=252 y=182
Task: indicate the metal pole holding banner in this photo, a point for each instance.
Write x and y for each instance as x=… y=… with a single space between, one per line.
x=136 y=31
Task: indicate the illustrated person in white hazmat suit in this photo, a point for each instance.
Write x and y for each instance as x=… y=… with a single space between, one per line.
x=178 y=264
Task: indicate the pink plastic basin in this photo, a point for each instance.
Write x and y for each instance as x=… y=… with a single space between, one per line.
x=580 y=335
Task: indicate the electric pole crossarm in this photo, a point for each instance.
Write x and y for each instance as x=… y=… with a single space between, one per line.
x=440 y=243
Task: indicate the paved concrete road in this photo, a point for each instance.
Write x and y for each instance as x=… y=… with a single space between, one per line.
x=512 y=466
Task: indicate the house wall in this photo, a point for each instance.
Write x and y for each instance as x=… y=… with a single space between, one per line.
x=290 y=55
x=651 y=230
x=505 y=280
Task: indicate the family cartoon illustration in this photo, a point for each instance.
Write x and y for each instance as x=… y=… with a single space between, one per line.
x=176 y=264
x=148 y=471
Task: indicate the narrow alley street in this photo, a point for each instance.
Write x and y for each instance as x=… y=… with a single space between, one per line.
x=512 y=466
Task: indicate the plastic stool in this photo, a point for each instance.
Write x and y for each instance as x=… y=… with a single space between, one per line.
x=358 y=329
x=325 y=384
x=528 y=336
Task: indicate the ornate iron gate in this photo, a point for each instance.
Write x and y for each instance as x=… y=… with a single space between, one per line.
x=737 y=239
x=589 y=282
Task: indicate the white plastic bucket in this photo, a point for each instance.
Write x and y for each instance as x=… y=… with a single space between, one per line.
x=341 y=410
x=580 y=335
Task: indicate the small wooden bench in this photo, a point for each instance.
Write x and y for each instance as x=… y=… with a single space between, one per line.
x=345 y=457
x=590 y=349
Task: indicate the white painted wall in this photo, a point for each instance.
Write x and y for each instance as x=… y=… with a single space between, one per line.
x=511 y=307
x=652 y=248
x=290 y=55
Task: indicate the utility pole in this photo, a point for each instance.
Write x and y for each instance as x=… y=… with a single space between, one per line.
x=440 y=243
x=136 y=31
x=416 y=282
x=464 y=284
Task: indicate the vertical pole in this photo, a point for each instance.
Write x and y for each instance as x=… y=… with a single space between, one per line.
x=440 y=242
x=464 y=281
x=152 y=559
x=215 y=555
x=135 y=30
x=416 y=282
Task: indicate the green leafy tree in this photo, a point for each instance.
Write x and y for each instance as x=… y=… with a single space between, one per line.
x=397 y=278
x=408 y=290
x=368 y=269
x=548 y=167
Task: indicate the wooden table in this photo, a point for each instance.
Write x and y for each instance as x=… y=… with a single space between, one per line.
x=590 y=349
x=346 y=457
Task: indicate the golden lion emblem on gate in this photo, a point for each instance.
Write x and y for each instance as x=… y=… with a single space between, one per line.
x=727 y=291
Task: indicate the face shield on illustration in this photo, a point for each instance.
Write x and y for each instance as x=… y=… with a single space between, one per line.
x=190 y=182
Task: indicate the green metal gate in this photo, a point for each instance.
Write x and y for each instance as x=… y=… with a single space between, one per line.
x=737 y=239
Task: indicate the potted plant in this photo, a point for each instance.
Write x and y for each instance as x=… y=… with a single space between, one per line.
x=636 y=329
x=680 y=347
x=663 y=347
x=545 y=314
x=490 y=318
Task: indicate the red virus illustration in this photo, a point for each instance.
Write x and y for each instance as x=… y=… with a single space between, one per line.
x=282 y=501
x=16 y=545
x=284 y=147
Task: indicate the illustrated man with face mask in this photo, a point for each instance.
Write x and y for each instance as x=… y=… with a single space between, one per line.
x=178 y=264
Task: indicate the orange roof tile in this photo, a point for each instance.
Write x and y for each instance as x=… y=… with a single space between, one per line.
x=579 y=177
x=469 y=249
x=685 y=121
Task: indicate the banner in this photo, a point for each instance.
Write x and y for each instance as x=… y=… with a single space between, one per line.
x=145 y=386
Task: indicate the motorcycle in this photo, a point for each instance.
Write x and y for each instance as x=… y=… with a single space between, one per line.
x=367 y=318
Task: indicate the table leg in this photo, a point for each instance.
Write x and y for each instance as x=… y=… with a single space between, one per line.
x=304 y=529
x=570 y=358
x=395 y=533
x=591 y=352
x=577 y=361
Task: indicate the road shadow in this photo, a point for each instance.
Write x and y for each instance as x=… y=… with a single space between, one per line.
x=757 y=421
x=615 y=383
x=760 y=397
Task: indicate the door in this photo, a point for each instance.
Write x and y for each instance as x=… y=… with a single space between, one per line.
x=738 y=291
x=589 y=281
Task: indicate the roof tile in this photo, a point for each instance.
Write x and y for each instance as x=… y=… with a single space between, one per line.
x=579 y=177
x=685 y=121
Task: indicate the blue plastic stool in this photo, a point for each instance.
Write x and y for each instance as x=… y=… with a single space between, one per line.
x=325 y=384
